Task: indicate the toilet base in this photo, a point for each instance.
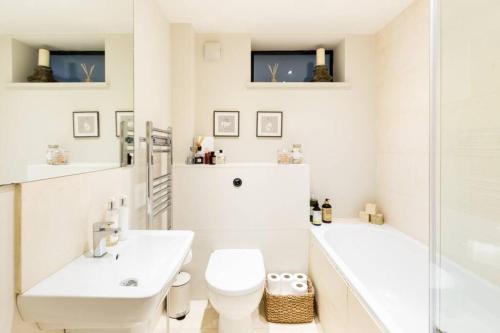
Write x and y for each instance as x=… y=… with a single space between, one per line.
x=235 y=325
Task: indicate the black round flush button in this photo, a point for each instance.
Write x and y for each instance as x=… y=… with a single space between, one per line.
x=237 y=182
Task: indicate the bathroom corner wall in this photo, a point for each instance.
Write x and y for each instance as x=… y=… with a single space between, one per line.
x=152 y=92
x=403 y=121
x=183 y=74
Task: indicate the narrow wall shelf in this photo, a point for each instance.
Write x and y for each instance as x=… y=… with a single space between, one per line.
x=299 y=85
x=57 y=85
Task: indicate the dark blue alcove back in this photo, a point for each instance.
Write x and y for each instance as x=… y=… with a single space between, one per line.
x=294 y=66
x=66 y=66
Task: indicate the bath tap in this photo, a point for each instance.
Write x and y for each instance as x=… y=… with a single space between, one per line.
x=101 y=230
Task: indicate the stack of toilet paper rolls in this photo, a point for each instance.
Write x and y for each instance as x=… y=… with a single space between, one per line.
x=287 y=284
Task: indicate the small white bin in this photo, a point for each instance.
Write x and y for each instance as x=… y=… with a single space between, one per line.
x=179 y=296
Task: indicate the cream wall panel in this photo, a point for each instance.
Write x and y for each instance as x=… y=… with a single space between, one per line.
x=402 y=144
x=56 y=217
x=359 y=321
x=7 y=222
x=470 y=136
x=339 y=310
x=331 y=291
x=183 y=91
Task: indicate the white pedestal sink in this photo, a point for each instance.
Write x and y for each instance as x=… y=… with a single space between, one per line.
x=119 y=292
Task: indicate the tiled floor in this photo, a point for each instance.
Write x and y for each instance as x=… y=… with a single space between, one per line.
x=204 y=319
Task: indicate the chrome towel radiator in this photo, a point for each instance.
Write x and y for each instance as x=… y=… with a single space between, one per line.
x=159 y=182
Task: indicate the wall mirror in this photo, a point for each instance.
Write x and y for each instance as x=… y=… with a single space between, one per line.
x=66 y=87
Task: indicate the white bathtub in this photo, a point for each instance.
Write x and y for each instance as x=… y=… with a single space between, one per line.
x=386 y=270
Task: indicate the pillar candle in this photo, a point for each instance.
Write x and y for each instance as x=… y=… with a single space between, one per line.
x=44 y=57
x=320 y=57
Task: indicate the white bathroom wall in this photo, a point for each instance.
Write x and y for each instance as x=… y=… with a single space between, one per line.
x=35 y=118
x=335 y=126
x=403 y=121
x=270 y=212
x=152 y=91
x=183 y=74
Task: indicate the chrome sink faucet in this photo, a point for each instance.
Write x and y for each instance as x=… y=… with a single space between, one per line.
x=100 y=231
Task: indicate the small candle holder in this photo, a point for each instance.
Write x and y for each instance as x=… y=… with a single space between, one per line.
x=321 y=74
x=42 y=74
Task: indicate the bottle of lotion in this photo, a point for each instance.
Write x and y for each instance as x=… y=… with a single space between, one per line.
x=326 y=211
x=123 y=218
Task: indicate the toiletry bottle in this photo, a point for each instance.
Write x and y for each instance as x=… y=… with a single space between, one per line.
x=326 y=211
x=198 y=158
x=123 y=221
x=221 y=159
x=112 y=216
x=312 y=203
x=213 y=158
x=316 y=215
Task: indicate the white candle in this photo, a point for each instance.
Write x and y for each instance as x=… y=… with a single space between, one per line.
x=320 y=57
x=44 y=57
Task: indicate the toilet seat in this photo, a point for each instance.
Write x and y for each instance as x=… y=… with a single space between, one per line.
x=235 y=272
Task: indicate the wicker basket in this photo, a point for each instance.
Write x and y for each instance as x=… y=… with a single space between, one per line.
x=290 y=309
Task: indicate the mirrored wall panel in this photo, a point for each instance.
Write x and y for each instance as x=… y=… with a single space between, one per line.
x=66 y=87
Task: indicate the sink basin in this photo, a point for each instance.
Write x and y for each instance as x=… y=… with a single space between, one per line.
x=123 y=289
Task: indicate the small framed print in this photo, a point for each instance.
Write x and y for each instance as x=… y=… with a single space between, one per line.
x=269 y=124
x=86 y=124
x=227 y=124
x=120 y=116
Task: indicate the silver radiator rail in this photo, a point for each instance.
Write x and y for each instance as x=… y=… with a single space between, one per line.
x=159 y=185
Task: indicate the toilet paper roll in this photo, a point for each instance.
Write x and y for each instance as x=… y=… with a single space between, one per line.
x=286 y=283
x=274 y=283
x=300 y=277
x=299 y=288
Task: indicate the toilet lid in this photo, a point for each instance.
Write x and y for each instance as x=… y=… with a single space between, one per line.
x=235 y=272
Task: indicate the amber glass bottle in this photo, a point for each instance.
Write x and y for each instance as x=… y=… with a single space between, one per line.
x=326 y=211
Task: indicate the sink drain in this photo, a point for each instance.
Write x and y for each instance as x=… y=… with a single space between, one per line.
x=129 y=283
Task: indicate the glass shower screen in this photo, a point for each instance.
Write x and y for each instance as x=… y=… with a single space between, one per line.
x=466 y=122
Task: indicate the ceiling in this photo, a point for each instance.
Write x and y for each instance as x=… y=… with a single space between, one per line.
x=284 y=16
x=66 y=16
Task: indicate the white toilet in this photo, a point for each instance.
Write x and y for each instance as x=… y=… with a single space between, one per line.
x=235 y=281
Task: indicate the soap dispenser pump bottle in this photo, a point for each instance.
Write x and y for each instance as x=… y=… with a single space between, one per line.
x=112 y=216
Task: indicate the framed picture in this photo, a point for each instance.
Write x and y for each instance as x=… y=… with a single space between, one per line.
x=226 y=123
x=269 y=124
x=120 y=116
x=86 y=124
